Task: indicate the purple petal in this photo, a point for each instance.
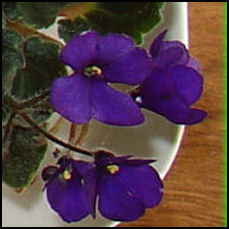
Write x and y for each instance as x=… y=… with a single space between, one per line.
x=158 y=85
x=88 y=173
x=116 y=203
x=143 y=182
x=80 y=51
x=67 y=198
x=48 y=173
x=90 y=189
x=113 y=107
x=70 y=98
x=82 y=167
x=168 y=53
x=176 y=110
x=195 y=116
x=171 y=53
x=112 y=46
x=131 y=68
x=188 y=83
x=156 y=45
x=192 y=63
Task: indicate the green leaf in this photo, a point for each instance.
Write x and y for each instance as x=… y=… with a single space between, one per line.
x=12 y=57
x=42 y=67
x=3 y=20
x=67 y=29
x=41 y=112
x=23 y=159
x=36 y=14
x=11 y=11
x=131 y=18
x=5 y=114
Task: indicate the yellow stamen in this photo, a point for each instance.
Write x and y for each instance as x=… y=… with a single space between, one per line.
x=96 y=70
x=92 y=71
x=67 y=175
x=112 y=168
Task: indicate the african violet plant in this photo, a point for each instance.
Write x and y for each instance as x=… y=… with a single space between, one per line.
x=102 y=47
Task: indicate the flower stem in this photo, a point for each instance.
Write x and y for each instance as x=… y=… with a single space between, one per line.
x=77 y=9
x=72 y=134
x=56 y=126
x=134 y=91
x=35 y=99
x=8 y=100
x=83 y=132
x=52 y=137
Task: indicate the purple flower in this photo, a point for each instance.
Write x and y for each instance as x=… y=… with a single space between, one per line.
x=174 y=84
x=171 y=53
x=124 y=187
x=64 y=189
x=98 y=61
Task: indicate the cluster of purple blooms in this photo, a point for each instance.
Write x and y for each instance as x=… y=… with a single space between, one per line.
x=124 y=187
x=167 y=81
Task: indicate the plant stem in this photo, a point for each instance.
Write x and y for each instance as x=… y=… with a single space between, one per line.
x=35 y=99
x=71 y=137
x=52 y=137
x=27 y=31
x=77 y=9
x=72 y=133
x=134 y=91
x=55 y=127
x=83 y=132
x=8 y=100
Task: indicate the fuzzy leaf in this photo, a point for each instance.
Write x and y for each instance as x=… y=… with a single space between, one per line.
x=3 y=20
x=42 y=66
x=67 y=29
x=12 y=57
x=131 y=18
x=23 y=159
x=41 y=112
x=35 y=14
x=11 y=11
x=5 y=114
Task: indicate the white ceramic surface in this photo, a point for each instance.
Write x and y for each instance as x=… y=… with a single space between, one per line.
x=157 y=138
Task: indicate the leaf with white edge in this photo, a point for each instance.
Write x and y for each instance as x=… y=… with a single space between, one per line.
x=12 y=57
x=42 y=67
x=5 y=114
x=35 y=14
x=24 y=156
x=11 y=11
x=67 y=28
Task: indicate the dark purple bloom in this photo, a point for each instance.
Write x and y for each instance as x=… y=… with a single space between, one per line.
x=97 y=61
x=171 y=53
x=174 y=84
x=125 y=187
x=64 y=189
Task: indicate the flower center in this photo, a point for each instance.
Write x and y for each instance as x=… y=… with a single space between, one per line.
x=67 y=175
x=92 y=71
x=112 y=168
